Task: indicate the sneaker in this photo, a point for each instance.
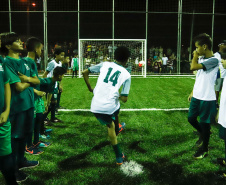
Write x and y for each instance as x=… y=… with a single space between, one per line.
x=44 y=136
x=57 y=121
x=28 y=164
x=121 y=127
x=199 y=142
x=119 y=160
x=42 y=144
x=221 y=161
x=20 y=176
x=200 y=154
x=33 y=150
x=47 y=130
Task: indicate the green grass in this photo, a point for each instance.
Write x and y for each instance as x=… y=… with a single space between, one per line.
x=161 y=141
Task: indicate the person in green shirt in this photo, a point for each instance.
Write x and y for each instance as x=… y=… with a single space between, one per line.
x=34 y=47
x=21 y=78
x=74 y=65
x=6 y=159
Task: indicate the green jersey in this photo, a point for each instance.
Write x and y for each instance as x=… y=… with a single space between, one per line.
x=3 y=80
x=1 y=59
x=47 y=85
x=33 y=66
x=20 y=101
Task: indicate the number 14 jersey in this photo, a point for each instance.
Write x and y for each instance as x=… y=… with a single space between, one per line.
x=106 y=93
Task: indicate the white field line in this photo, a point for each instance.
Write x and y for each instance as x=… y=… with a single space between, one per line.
x=127 y=110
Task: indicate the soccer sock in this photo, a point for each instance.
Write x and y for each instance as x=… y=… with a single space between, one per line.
x=15 y=144
x=193 y=121
x=205 y=134
x=8 y=169
x=21 y=150
x=53 y=111
x=117 y=150
x=38 y=122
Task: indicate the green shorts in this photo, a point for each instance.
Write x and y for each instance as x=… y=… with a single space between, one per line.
x=5 y=139
x=22 y=123
x=206 y=110
x=219 y=84
x=39 y=105
x=106 y=119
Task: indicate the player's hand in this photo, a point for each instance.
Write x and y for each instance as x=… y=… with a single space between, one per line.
x=195 y=54
x=23 y=77
x=3 y=118
x=41 y=93
x=223 y=63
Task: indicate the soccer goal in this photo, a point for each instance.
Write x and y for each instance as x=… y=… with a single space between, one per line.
x=94 y=51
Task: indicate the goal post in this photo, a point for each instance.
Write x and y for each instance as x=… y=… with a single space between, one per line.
x=94 y=51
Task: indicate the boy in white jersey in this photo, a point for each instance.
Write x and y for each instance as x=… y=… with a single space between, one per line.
x=59 y=56
x=203 y=97
x=105 y=103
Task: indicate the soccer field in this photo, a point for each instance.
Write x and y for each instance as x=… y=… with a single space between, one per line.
x=159 y=140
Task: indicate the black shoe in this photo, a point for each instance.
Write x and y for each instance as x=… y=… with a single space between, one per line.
x=56 y=112
x=20 y=176
x=201 y=153
x=28 y=164
x=221 y=161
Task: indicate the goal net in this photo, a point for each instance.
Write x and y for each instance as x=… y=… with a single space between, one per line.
x=94 y=51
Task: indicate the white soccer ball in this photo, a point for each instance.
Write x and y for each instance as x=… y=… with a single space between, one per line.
x=131 y=168
x=142 y=63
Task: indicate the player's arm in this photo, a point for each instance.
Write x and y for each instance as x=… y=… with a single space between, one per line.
x=19 y=86
x=45 y=74
x=4 y=116
x=49 y=68
x=190 y=96
x=93 y=69
x=85 y=74
x=125 y=90
x=39 y=93
x=32 y=80
x=194 y=64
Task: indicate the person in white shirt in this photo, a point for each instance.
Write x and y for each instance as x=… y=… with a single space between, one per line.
x=164 y=63
x=106 y=100
x=59 y=56
x=203 y=97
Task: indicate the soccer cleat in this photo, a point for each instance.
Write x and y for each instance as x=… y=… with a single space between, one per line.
x=57 y=121
x=121 y=126
x=20 y=176
x=47 y=130
x=119 y=160
x=200 y=154
x=221 y=161
x=44 y=136
x=28 y=164
x=43 y=144
x=33 y=150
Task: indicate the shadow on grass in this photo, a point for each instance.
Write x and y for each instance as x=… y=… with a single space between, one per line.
x=78 y=161
x=135 y=146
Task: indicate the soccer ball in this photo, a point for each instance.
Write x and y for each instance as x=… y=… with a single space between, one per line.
x=141 y=63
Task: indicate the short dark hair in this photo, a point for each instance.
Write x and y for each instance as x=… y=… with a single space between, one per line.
x=32 y=43
x=202 y=39
x=122 y=54
x=59 y=71
x=58 y=51
x=7 y=39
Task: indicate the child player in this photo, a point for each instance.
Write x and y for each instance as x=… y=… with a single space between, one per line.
x=34 y=48
x=59 y=56
x=203 y=98
x=106 y=100
x=6 y=161
x=22 y=111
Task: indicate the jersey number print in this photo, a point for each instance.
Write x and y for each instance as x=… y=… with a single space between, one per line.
x=113 y=78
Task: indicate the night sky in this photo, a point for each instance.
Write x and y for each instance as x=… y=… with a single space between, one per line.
x=162 y=20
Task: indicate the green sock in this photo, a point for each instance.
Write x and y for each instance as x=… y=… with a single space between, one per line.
x=117 y=150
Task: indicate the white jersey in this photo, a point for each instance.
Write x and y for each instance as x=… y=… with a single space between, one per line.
x=221 y=68
x=205 y=79
x=51 y=66
x=106 y=93
x=164 y=60
x=222 y=117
